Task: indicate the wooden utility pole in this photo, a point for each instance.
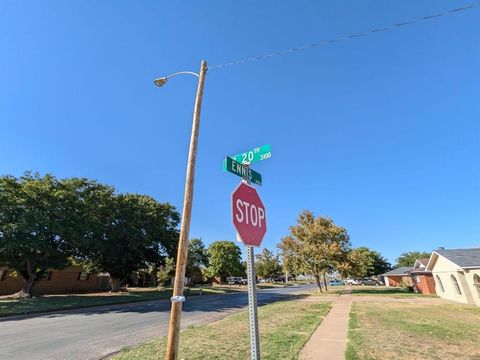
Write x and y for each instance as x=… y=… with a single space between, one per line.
x=177 y=298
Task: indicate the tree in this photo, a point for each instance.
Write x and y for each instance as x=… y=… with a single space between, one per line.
x=166 y=272
x=314 y=246
x=45 y=223
x=380 y=264
x=268 y=265
x=225 y=260
x=127 y=232
x=197 y=257
x=197 y=260
x=36 y=215
x=369 y=262
x=408 y=258
x=354 y=264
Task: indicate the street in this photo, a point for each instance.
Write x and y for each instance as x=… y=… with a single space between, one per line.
x=94 y=333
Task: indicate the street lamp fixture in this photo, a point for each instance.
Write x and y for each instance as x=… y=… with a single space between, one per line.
x=163 y=80
x=160 y=81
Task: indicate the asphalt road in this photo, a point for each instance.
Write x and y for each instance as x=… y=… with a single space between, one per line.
x=94 y=333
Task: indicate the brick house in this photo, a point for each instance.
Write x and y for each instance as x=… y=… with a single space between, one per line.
x=398 y=277
x=422 y=278
x=70 y=280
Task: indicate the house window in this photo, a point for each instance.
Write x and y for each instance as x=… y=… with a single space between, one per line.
x=476 y=283
x=439 y=283
x=417 y=279
x=455 y=285
x=83 y=275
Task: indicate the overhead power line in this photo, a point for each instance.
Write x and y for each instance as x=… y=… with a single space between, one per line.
x=342 y=38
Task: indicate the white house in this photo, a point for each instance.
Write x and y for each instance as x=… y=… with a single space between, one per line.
x=457 y=274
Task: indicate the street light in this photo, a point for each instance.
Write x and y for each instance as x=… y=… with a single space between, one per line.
x=161 y=81
x=178 y=298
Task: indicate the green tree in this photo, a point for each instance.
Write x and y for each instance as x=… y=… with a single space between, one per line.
x=371 y=263
x=314 y=246
x=225 y=260
x=166 y=272
x=36 y=223
x=197 y=257
x=408 y=258
x=268 y=265
x=354 y=265
x=127 y=232
x=380 y=264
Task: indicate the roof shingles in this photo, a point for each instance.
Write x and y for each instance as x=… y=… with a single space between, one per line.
x=462 y=257
x=402 y=270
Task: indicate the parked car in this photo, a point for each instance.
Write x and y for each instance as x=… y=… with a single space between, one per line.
x=244 y=281
x=353 y=282
x=234 y=280
x=368 y=281
x=336 y=282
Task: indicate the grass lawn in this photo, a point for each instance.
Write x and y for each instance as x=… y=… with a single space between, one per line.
x=273 y=285
x=284 y=329
x=397 y=292
x=62 y=302
x=413 y=331
x=359 y=290
x=335 y=290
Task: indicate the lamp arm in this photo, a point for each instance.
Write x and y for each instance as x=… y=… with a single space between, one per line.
x=182 y=72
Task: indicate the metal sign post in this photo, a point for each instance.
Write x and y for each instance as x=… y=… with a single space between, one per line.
x=252 y=305
x=249 y=219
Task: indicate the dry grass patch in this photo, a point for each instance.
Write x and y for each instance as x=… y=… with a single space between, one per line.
x=413 y=331
x=284 y=329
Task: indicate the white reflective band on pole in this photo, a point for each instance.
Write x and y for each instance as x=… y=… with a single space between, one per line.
x=177 y=298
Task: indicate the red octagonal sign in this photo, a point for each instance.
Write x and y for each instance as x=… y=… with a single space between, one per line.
x=249 y=215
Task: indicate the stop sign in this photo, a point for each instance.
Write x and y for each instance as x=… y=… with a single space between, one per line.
x=249 y=216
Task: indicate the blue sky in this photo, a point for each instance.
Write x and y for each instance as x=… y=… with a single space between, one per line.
x=381 y=133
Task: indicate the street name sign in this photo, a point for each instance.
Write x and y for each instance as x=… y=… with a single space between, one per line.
x=243 y=171
x=248 y=215
x=256 y=154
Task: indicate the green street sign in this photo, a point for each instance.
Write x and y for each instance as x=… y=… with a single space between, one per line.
x=256 y=154
x=243 y=171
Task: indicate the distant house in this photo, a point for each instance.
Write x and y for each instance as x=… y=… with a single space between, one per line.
x=423 y=281
x=399 y=276
x=70 y=280
x=457 y=274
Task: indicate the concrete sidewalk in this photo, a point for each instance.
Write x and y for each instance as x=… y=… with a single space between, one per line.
x=329 y=341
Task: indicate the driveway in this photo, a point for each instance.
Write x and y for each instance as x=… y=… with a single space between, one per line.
x=94 y=333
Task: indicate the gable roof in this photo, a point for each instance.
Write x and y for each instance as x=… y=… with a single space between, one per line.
x=402 y=270
x=421 y=263
x=462 y=257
